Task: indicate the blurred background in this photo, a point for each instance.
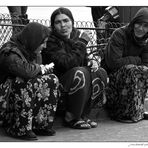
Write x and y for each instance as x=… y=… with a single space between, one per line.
x=81 y=13
x=44 y=12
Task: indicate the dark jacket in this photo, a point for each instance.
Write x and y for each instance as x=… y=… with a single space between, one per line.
x=18 y=57
x=65 y=53
x=13 y=64
x=123 y=48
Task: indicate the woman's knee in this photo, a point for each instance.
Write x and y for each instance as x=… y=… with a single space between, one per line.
x=82 y=72
x=51 y=79
x=102 y=74
x=82 y=69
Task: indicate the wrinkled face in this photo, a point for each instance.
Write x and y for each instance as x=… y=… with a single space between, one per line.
x=63 y=25
x=140 y=29
x=43 y=45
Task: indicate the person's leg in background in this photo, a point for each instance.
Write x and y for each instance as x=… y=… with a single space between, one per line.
x=18 y=16
x=14 y=11
x=97 y=12
x=24 y=15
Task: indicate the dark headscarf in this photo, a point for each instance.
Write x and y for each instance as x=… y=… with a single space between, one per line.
x=58 y=11
x=31 y=37
x=140 y=17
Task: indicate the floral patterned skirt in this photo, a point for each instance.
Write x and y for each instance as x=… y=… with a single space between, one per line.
x=30 y=105
x=126 y=93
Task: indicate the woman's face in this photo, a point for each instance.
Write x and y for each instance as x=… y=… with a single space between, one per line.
x=43 y=45
x=63 y=25
x=140 y=29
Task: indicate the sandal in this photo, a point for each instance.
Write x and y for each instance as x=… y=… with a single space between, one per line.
x=77 y=124
x=93 y=124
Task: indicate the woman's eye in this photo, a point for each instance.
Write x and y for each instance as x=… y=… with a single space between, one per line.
x=145 y=25
x=66 y=20
x=57 y=22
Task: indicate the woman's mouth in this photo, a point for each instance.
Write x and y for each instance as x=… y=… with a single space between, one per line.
x=64 y=31
x=139 y=33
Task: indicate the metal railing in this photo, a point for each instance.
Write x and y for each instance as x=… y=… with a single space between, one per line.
x=97 y=44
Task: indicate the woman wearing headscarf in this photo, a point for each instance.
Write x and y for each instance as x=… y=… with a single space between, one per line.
x=83 y=85
x=126 y=58
x=29 y=95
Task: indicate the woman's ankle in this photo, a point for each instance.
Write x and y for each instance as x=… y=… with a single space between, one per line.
x=69 y=116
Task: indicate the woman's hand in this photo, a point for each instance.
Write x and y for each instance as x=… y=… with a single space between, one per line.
x=48 y=68
x=19 y=80
x=93 y=64
x=86 y=35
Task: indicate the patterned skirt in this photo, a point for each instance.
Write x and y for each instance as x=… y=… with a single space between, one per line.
x=126 y=93
x=29 y=105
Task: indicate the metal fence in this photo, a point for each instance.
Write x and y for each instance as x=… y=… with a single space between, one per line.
x=97 y=44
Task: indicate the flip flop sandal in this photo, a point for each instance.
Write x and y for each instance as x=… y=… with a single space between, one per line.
x=93 y=124
x=78 y=124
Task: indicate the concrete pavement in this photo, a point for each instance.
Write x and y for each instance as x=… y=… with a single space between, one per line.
x=107 y=131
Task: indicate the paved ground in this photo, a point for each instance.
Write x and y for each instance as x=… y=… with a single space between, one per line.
x=107 y=131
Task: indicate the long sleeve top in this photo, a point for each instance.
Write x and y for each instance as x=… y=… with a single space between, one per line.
x=65 y=53
x=123 y=50
x=14 y=64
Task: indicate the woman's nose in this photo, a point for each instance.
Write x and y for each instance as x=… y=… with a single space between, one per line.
x=62 y=24
x=141 y=27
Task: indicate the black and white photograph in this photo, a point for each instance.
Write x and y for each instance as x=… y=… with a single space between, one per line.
x=74 y=73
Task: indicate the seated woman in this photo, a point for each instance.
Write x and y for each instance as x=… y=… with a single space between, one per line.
x=83 y=85
x=28 y=90
x=126 y=58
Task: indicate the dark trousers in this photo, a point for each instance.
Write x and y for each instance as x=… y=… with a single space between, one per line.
x=76 y=83
x=18 y=10
x=18 y=16
x=84 y=90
